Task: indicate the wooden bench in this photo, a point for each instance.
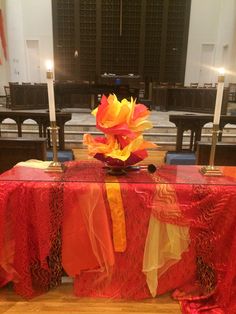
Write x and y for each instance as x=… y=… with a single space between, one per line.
x=14 y=150
x=225 y=154
x=200 y=100
x=41 y=117
x=195 y=123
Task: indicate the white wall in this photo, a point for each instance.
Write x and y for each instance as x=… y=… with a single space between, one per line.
x=38 y=26
x=28 y=20
x=15 y=39
x=211 y=22
x=4 y=66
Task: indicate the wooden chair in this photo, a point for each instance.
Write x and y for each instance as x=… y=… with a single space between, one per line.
x=232 y=92
x=164 y=83
x=178 y=84
x=8 y=96
x=207 y=85
x=194 y=85
x=14 y=150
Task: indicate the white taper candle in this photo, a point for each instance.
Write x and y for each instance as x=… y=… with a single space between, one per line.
x=219 y=97
x=50 y=86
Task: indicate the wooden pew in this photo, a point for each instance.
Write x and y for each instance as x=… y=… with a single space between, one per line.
x=225 y=154
x=67 y=95
x=200 y=100
x=41 y=117
x=195 y=123
x=14 y=150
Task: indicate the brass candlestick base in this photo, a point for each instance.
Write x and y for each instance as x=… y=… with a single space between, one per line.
x=55 y=165
x=212 y=170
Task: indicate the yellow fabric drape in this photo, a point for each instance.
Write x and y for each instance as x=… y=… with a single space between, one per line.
x=34 y=163
x=165 y=242
x=164 y=246
x=114 y=198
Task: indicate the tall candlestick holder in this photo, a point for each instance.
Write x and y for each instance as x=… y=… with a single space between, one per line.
x=55 y=165
x=211 y=169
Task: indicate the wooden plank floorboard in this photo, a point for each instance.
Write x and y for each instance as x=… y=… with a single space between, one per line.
x=61 y=300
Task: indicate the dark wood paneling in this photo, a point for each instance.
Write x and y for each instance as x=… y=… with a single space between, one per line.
x=88 y=37
x=64 y=36
x=143 y=37
x=176 y=40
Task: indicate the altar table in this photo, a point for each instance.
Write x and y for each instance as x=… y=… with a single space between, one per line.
x=51 y=221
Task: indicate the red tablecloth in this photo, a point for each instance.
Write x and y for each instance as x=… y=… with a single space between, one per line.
x=33 y=213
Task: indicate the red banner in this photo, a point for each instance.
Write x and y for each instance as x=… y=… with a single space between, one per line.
x=3 y=38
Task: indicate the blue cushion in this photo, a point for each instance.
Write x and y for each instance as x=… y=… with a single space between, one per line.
x=180 y=158
x=62 y=155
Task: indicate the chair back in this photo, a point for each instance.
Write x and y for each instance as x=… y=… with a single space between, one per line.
x=207 y=85
x=178 y=84
x=232 y=92
x=194 y=85
x=8 y=96
x=164 y=83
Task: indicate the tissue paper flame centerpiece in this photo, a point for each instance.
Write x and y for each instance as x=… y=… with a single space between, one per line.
x=122 y=123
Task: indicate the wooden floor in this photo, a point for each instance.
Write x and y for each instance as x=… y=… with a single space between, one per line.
x=61 y=300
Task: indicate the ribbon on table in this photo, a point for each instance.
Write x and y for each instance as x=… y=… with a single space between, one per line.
x=3 y=37
x=115 y=201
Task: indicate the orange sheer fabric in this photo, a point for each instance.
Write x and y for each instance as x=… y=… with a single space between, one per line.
x=87 y=243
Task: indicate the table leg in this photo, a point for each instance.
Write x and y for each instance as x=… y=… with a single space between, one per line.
x=191 y=139
x=179 y=139
x=92 y=101
x=198 y=134
x=61 y=137
x=19 y=129
x=40 y=130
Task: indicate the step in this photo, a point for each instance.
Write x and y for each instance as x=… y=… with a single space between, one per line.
x=92 y=127
x=171 y=136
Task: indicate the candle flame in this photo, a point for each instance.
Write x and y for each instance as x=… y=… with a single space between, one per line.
x=221 y=71
x=49 y=65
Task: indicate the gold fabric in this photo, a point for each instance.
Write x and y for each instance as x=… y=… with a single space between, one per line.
x=164 y=245
x=117 y=214
x=34 y=163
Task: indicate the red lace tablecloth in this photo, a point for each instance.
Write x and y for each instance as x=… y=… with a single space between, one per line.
x=34 y=217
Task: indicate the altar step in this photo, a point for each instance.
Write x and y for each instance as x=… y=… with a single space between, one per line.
x=163 y=136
